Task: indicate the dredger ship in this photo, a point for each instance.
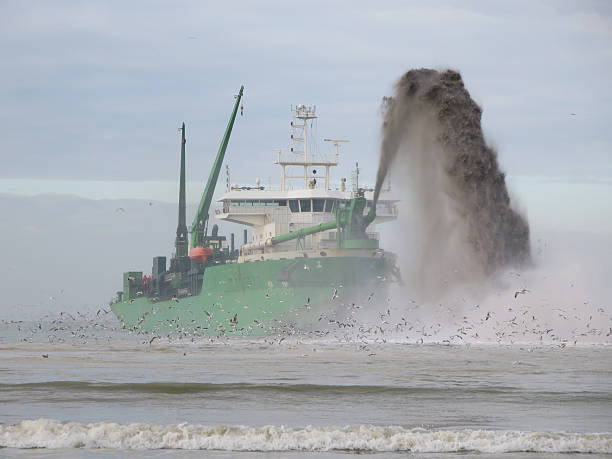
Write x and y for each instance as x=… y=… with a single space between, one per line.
x=312 y=249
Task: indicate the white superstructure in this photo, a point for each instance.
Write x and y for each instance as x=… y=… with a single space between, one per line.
x=275 y=212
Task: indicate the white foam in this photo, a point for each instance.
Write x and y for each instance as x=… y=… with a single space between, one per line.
x=46 y=433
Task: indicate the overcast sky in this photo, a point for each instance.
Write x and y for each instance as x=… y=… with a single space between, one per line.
x=97 y=90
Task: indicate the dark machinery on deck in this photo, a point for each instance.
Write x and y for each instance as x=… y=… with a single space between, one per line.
x=185 y=273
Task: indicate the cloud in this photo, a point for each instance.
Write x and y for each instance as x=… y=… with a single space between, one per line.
x=99 y=88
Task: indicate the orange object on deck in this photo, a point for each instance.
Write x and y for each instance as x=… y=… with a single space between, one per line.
x=200 y=254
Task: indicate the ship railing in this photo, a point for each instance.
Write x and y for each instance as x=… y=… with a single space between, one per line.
x=333 y=235
x=241 y=210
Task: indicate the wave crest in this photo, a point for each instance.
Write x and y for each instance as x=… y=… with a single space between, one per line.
x=47 y=433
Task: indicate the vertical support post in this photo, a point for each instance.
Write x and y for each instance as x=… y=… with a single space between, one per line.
x=305 y=153
x=305 y=139
x=283 y=178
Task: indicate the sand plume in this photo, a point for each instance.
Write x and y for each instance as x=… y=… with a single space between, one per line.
x=461 y=216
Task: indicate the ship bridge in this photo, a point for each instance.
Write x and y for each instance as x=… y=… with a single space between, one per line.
x=305 y=198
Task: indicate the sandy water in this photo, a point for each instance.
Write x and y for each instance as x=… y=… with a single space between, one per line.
x=239 y=397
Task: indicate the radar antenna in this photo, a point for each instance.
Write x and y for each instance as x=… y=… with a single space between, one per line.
x=336 y=143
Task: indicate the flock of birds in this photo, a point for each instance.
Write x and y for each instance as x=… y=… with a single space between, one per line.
x=365 y=324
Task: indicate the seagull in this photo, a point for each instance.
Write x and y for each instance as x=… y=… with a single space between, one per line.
x=520 y=292
x=45 y=356
x=175 y=299
x=335 y=295
x=120 y=209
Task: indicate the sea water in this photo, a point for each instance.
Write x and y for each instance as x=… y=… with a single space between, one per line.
x=107 y=393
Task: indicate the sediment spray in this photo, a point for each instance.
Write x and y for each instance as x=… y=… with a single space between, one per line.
x=460 y=207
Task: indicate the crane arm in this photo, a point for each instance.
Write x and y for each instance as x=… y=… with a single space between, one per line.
x=350 y=219
x=200 y=222
x=304 y=232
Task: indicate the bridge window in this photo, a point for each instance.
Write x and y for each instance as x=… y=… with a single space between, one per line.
x=305 y=205
x=293 y=205
x=260 y=202
x=242 y=203
x=329 y=205
x=318 y=205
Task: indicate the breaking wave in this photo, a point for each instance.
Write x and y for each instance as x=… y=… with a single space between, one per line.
x=46 y=433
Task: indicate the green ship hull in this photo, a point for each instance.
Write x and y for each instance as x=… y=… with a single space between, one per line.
x=263 y=297
x=211 y=287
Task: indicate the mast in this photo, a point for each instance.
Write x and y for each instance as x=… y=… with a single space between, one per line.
x=299 y=140
x=182 y=242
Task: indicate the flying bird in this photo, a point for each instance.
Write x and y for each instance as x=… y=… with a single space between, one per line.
x=520 y=292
